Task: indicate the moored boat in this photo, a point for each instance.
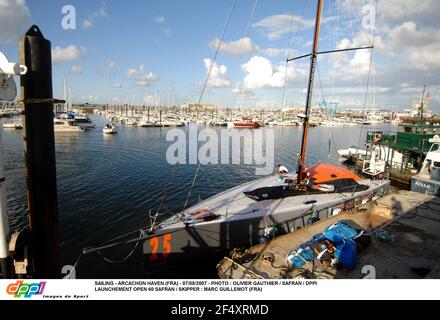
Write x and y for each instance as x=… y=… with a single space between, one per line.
x=84 y=122
x=109 y=129
x=66 y=125
x=10 y=125
x=242 y=215
x=428 y=179
x=247 y=123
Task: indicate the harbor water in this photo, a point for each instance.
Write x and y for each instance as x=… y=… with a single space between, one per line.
x=107 y=184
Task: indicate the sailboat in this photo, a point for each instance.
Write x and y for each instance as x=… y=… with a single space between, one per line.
x=248 y=213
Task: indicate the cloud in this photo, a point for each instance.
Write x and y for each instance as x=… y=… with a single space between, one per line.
x=68 y=53
x=397 y=10
x=87 y=24
x=234 y=48
x=406 y=55
x=408 y=34
x=91 y=98
x=274 y=27
x=274 y=52
x=76 y=69
x=141 y=77
x=262 y=73
x=148 y=99
x=218 y=76
x=92 y=18
x=14 y=15
x=159 y=19
x=406 y=42
x=426 y=59
x=410 y=43
x=244 y=92
x=167 y=32
x=111 y=64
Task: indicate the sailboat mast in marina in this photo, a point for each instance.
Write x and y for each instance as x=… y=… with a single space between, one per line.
x=313 y=60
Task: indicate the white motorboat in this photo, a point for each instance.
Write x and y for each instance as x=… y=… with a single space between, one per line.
x=130 y=122
x=330 y=123
x=146 y=124
x=290 y=123
x=66 y=125
x=109 y=129
x=352 y=152
x=171 y=124
x=427 y=181
x=13 y=125
x=84 y=122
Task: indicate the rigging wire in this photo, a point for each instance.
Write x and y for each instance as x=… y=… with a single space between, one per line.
x=217 y=50
x=246 y=30
x=332 y=141
x=283 y=102
x=206 y=83
x=126 y=257
x=353 y=36
x=251 y=17
x=290 y=47
x=192 y=186
x=368 y=81
x=166 y=189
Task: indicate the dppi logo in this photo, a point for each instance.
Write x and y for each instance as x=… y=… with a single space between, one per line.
x=20 y=289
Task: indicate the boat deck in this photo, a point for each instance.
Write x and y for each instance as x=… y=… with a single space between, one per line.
x=413 y=218
x=234 y=205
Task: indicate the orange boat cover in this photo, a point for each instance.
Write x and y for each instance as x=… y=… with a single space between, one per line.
x=326 y=172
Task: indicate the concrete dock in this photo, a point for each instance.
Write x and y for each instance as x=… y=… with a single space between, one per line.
x=413 y=219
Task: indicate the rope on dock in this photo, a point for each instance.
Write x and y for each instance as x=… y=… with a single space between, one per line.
x=247 y=270
x=269 y=259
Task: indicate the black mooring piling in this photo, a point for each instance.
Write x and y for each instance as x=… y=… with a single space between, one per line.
x=39 y=149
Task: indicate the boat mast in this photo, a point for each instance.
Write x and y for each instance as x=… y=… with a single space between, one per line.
x=313 y=60
x=422 y=102
x=66 y=103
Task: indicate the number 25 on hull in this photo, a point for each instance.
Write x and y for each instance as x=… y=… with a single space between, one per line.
x=158 y=247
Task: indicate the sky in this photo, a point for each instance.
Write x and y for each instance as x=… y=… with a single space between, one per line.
x=160 y=51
